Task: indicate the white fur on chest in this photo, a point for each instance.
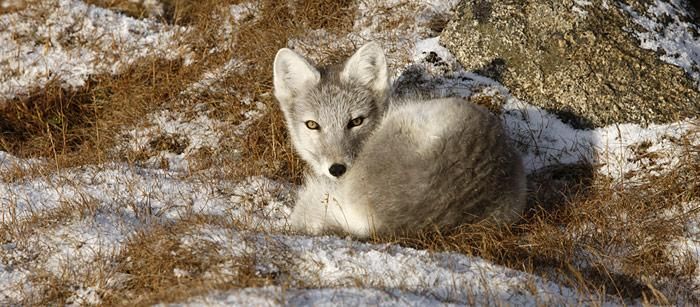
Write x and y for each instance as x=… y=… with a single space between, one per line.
x=321 y=206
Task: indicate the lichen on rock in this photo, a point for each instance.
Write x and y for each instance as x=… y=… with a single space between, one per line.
x=576 y=58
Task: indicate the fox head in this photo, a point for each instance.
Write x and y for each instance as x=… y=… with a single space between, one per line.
x=331 y=111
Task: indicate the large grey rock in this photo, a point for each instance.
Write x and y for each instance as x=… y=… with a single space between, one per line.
x=580 y=59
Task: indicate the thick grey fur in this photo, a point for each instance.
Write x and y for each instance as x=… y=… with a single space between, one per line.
x=413 y=164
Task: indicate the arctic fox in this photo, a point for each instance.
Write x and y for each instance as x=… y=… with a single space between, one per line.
x=383 y=165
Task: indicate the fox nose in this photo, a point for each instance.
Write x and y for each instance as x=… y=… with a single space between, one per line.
x=337 y=170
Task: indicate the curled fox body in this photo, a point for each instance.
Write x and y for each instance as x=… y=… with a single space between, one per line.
x=383 y=165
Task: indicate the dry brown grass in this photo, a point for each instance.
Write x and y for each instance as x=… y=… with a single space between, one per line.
x=580 y=226
x=180 y=12
x=79 y=126
x=152 y=258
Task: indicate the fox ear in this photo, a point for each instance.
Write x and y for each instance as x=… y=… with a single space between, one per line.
x=292 y=74
x=368 y=67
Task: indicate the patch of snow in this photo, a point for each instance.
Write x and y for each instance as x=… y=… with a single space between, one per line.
x=578 y=8
x=153 y=7
x=170 y=138
x=580 y=12
x=231 y=21
x=174 y=137
x=686 y=248
x=9 y=162
x=76 y=246
x=79 y=247
x=628 y=150
x=208 y=234
x=546 y=140
x=668 y=30
x=243 y=11
x=325 y=264
x=444 y=276
x=68 y=41
x=276 y=296
x=205 y=84
x=429 y=50
x=145 y=193
x=13 y=281
x=437 y=9
x=84 y=296
x=106 y=206
x=180 y=273
x=249 y=116
x=261 y=203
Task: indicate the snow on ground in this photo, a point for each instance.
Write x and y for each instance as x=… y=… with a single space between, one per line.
x=181 y=136
x=75 y=250
x=10 y=163
x=111 y=202
x=577 y=8
x=144 y=193
x=667 y=29
x=210 y=78
x=274 y=296
x=331 y=265
x=108 y=203
x=68 y=41
x=686 y=248
x=623 y=151
x=13 y=285
x=170 y=138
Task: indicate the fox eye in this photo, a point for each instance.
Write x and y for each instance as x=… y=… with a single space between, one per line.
x=311 y=125
x=356 y=122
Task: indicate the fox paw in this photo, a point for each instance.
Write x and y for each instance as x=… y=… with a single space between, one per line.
x=300 y=222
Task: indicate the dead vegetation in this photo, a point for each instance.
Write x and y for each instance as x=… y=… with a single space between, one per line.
x=583 y=230
x=161 y=268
